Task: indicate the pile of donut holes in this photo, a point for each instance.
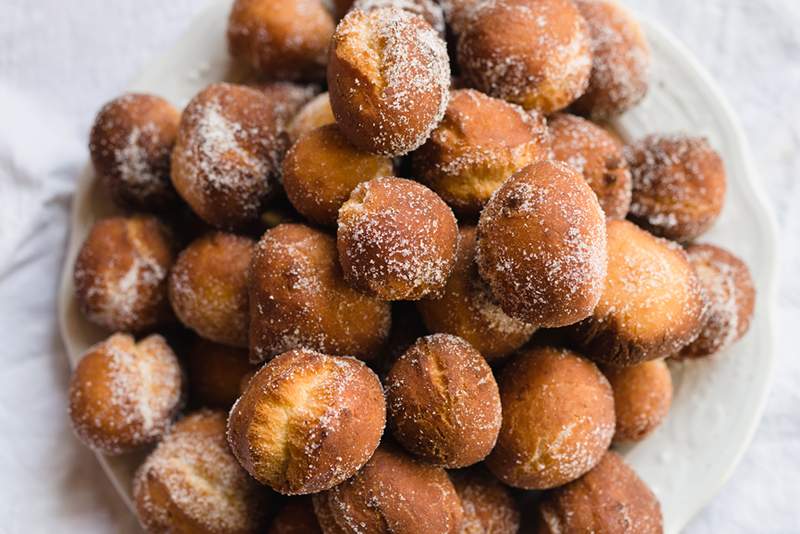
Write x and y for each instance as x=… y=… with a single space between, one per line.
x=403 y=277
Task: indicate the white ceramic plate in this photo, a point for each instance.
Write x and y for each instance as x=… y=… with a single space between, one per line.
x=717 y=402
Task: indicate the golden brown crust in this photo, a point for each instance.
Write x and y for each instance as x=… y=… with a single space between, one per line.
x=653 y=303
x=281 y=40
x=642 y=397
x=558 y=419
x=388 y=79
x=123 y=394
x=489 y=507
x=620 y=60
x=542 y=245
x=316 y=113
x=215 y=373
x=466 y=308
x=609 y=498
x=130 y=145
x=536 y=53
x=679 y=185
x=227 y=156
x=296 y=517
x=307 y=421
x=480 y=142
x=392 y=494
x=598 y=155
x=208 y=287
x=321 y=170
x=120 y=273
x=731 y=296
x=443 y=402
x=192 y=483
x=397 y=239
x=298 y=298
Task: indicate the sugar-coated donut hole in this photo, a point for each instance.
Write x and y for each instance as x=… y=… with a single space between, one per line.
x=536 y=53
x=620 y=60
x=653 y=303
x=642 y=397
x=466 y=308
x=443 y=402
x=609 y=498
x=226 y=160
x=479 y=143
x=215 y=373
x=598 y=155
x=124 y=394
x=558 y=419
x=388 y=80
x=321 y=170
x=130 y=146
x=488 y=505
x=392 y=494
x=731 y=298
x=208 y=287
x=281 y=40
x=315 y=113
x=307 y=421
x=299 y=298
x=542 y=245
x=679 y=185
x=192 y=483
x=120 y=273
x=396 y=239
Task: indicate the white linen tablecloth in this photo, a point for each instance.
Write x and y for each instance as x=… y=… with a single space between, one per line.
x=61 y=60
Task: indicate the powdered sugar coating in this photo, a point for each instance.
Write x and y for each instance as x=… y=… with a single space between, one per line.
x=489 y=507
x=396 y=239
x=731 y=297
x=124 y=394
x=227 y=155
x=620 y=60
x=192 y=483
x=388 y=79
x=532 y=52
x=427 y=9
x=542 y=245
x=679 y=185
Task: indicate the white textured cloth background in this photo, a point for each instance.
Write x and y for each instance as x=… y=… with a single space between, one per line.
x=59 y=61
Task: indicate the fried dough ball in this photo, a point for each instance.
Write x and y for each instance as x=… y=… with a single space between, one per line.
x=558 y=419
x=397 y=239
x=226 y=159
x=427 y=9
x=489 y=507
x=215 y=373
x=316 y=113
x=123 y=394
x=653 y=302
x=642 y=397
x=466 y=308
x=480 y=142
x=443 y=402
x=388 y=79
x=542 y=245
x=598 y=155
x=458 y=13
x=731 y=298
x=394 y=494
x=296 y=517
x=307 y=421
x=609 y=498
x=281 y=40
x=678 y=185
x=620 y=60
x=298 y=298
x=130 y=145
x=321 y=170
x=286 y=100
x=192 y=483
x=536 y=53
x=208 y=287
x=121 y=272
